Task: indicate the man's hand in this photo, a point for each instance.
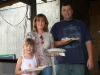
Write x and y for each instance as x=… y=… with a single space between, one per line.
x=65 y=41
x=90 y=64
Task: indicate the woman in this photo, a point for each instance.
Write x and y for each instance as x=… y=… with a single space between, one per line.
x=43 y=41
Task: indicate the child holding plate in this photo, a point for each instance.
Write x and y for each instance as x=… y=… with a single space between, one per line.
x=27 y=60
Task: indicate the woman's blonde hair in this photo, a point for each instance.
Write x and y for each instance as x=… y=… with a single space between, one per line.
x=27 y=41
x=38 y=17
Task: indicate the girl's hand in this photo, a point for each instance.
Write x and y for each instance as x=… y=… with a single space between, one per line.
x=25 y=72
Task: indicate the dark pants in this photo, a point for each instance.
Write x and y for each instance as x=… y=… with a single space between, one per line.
x=46 y=71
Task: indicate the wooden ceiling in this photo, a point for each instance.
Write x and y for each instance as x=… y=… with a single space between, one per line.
x=4 y=3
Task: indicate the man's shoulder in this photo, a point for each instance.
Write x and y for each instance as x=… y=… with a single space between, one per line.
x=59 y=22
x=77 y=20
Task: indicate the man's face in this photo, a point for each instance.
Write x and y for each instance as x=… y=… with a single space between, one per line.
x=67 y=12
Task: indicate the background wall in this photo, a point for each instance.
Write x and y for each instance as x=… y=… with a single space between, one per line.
x=14 y=24
x=94 y=28
x=52 y=11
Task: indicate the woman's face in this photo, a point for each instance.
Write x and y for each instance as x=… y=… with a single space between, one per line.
x=40 y=23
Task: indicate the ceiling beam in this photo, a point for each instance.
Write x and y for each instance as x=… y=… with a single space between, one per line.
x=29 y=2
x=8 y=3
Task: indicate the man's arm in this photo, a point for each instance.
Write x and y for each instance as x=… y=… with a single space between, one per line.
x=61 y=43
x=90 y=54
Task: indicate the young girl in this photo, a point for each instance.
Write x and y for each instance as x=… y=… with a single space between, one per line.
x=27 y=60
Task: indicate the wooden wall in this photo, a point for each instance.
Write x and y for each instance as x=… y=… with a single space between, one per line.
x=94 y=28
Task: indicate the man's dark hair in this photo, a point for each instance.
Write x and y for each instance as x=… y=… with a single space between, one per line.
x=66 y=3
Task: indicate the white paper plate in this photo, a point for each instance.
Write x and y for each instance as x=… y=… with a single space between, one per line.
x=72 y=38
x=62 y=54
x=55 y=50
x=35 y=69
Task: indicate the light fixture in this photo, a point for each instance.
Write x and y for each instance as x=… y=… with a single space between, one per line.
x=44 y=0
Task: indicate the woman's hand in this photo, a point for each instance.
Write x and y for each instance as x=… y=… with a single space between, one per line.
x=54 y=54
x=37 y=72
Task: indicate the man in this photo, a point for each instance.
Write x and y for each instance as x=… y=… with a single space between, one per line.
x=74 y=61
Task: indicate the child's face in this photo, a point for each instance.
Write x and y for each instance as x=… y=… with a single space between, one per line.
x=28 y=48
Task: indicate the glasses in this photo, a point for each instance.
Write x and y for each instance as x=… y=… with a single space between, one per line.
x=41 y=37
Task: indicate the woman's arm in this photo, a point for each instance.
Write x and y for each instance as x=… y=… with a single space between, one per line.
x=52 y=45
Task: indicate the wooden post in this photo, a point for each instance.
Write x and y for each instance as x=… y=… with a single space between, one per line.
x=33 y=12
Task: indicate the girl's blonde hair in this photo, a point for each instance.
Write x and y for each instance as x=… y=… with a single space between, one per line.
x=37 y=17
x=27 y=41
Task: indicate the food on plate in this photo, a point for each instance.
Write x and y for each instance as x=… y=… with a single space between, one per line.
x=39 y=66
x=73 y=38
x=36 y=68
